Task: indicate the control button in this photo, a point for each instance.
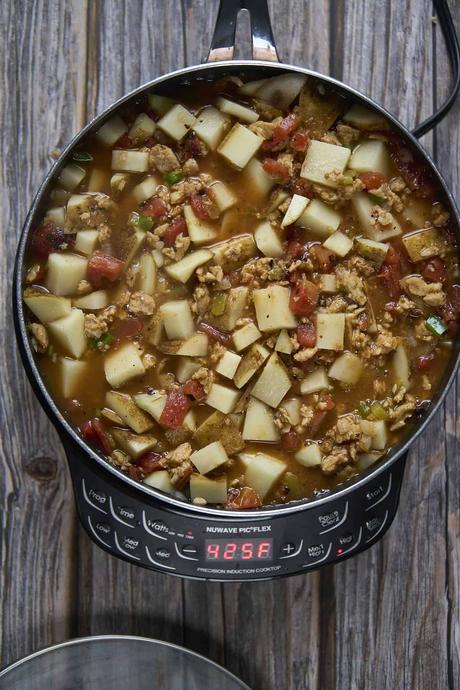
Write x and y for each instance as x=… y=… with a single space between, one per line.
x=96 y=499
x=375 y=525
x=184 y=553
x=346 y=539
x=157 y=561
x=99 y=533
x=124 y=514
x=378 y=493
x=189 y=549
x=317 y=553
x=342 y=550
x=289 y=550
x=127 y=546
x=156 y=528
x=163 y=554
x=333 y=519
x=103 y=528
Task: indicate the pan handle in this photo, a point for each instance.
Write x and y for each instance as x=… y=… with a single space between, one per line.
x=223 y=40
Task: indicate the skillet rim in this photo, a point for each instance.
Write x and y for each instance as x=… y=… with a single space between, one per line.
x=55 y=415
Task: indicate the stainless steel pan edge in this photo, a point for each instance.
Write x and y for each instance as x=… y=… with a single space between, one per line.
x=213 y=70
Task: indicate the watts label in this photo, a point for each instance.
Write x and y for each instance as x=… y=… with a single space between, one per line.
x=250 y=529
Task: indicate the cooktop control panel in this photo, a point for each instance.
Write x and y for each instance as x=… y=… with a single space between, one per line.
x=138 y=529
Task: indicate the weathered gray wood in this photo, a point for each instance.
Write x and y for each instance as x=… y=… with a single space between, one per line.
x=386 y=619
x=42 y=59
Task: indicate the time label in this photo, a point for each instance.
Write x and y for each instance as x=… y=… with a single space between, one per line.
x=239 y=550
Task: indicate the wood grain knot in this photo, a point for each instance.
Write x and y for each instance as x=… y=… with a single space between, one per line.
x=42 y=469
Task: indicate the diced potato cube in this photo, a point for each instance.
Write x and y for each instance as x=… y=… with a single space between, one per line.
x=259 y=423
x=281 y=90
x=211 y=490
x=295 y=209
x=177 y=122
x=241 y=112
x=122 y=365
x=182 y=270
x=338 y=243
x=220 y=427
x=234 y=252
x=98 y=180
x=47 y=307
x=222 y=398
x=400 y=367
x=142 y=129
x=245 y=336
x=272 y=308
x=86 y=241
x=222 y=195
x=365 y=460
x=320 y=218
x=309 y=455
x=267 y=240
x=199 y=230
x=417 y=211
x=71 y=176
x=146 y=278
x=372 y=250
x=128 y=411
x=177 y=319
x=284 y=343
x=153 y=403
x=118 y=183
x=111 y=131
x=291 y=407
x=273 y=383
x=69 y=333
x=330 y=329
x=130 y=160
x=347 y=369
x=377 y=431
x=423 y=244
x=195 y=346
x=366 y=209
x=145 y=189
x=363 y=118
x=251 y=361
x=323 y=159
x=278 y=197
x=160 y=104
x=258 y=180
x=228 y=364
x=239 y=146
x=99 y=299
x=131 y=246
x=65 y=272
x=251 y=87
x=314 y=382
x=208 y=458
x=234 y=308
x=186 y=368
x=211 y=126
x=328 y=283
x=134 y=444
x=158 y=258
x=160 y=480
x=71 y=372
x=56 y=215
x=263 y=472
x=371 y=156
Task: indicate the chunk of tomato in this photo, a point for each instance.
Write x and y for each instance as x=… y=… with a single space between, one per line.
x=243 y=499
x=306 y=334
x=276 y=169
x=177 y=227
x=176 y=407
x=94 y=432
x=124 y=142
x=150 y=462
x=323 y=257
x=47 y=238
x=372 y=180
x=290 y=441
x=390 y=272
x=304 y=297
x=195 y=389
x=155 y=208
x=435 y=271
x=300 y=141
x=198 y=206
x=103 y=267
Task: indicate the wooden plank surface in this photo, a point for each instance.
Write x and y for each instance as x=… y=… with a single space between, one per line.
x=388 y=618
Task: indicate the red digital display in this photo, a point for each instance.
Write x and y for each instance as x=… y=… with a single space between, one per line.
x=239 y=550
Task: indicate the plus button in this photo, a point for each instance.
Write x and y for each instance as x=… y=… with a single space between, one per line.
x=288 y=548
